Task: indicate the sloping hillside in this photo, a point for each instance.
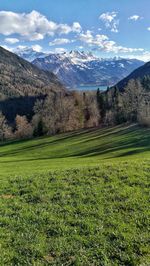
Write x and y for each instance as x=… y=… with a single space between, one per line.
x=94 y=210
x=20 y=78
x=129 y=100
x=75 y=149
x=137 y=74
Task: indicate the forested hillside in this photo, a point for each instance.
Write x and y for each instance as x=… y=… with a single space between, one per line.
x=20 y=78
x=129 y=100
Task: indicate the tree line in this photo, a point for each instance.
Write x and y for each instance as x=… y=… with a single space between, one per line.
x=56 y=113
x=64 y=111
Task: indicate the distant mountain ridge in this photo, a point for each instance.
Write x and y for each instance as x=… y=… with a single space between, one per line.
x=77 y=68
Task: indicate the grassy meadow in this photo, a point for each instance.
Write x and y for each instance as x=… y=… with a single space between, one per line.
x=80 y=198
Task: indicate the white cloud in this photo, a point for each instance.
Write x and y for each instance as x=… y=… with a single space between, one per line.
x=37 y=48
x=20 y=48
x=7 y=48
x=88 y=38
x=134 y=17
x=110 y=20
x=103 y=43
x=59 y=50
x=80 y=47
x=33 y=26
x=60 y=42
x=76 y=27
x=145 y=56
x=11 y=40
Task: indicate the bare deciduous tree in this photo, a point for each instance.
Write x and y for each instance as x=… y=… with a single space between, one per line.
x=5 y=130
x=23 y=127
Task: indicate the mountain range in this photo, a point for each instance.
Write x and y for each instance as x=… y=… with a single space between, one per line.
x=77 y=68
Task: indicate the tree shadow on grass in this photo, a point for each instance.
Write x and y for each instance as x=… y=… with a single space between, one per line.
x=80 y=135
x=128 y=141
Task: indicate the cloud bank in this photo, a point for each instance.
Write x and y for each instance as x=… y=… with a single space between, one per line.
x=33 y=26
x=103 y=43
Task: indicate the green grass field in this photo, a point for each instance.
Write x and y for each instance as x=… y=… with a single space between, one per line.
x=80 y=198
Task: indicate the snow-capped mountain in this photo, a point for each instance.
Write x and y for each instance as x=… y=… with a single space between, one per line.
x=78 y=57
x=28 y=53
x=77 y=68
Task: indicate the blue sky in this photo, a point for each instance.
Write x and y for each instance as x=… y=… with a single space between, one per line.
x=106 y=27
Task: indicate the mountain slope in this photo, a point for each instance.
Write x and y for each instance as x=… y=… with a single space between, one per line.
x=20 y=78
x=139 y=74
x=129 y=100
x=79 y=68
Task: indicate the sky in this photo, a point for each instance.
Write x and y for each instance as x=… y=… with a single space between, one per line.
x=108 y=28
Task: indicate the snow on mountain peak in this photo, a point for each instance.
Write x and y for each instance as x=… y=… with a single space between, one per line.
x=28 y=53
x=79 y=57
